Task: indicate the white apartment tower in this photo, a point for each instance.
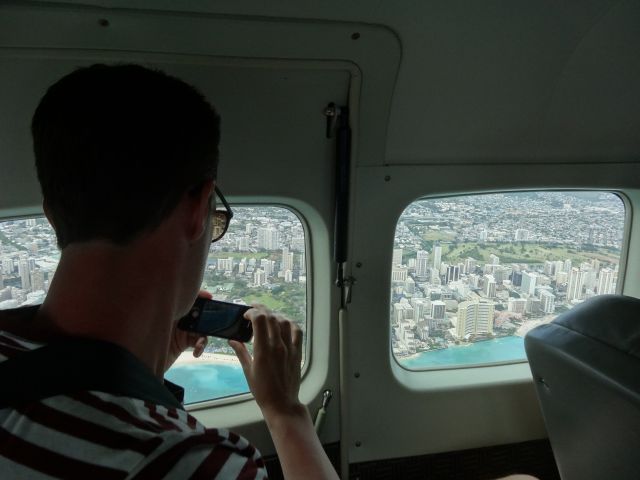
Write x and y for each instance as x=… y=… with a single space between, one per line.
x=575 y=284
x=606 y=281
x=547 y=299
x=437 y=256
x=475 y=317
x=422 y=264
x=397 y=256
x=528 y=282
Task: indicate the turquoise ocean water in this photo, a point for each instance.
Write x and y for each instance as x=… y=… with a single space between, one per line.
x=208 y=381
x=496 y=350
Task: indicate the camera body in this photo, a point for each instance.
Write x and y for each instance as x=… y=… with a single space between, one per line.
x=218 y=319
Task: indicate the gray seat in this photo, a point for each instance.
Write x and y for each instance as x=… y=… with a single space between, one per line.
x=586 y=369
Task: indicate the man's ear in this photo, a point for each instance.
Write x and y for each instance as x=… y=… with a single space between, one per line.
x=198 y=209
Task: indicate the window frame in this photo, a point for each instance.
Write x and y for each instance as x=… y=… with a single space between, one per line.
x=246 y=396
x=626 y=234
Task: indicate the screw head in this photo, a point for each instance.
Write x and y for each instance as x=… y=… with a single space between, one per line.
x=355 y=35
x=357 y=374
x=358 y=443
x=358 y=264
x=387 y=178
x=103 y=22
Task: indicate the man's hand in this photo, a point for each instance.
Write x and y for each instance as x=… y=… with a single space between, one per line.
x=273 y=373
x=181 y=340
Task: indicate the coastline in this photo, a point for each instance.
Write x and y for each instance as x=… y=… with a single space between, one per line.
x=187 y=358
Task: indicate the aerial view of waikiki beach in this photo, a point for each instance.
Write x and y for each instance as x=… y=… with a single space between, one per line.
x=471 y=275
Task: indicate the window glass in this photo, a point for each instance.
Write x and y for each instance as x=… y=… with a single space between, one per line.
x=261 y=259
x=471 y=275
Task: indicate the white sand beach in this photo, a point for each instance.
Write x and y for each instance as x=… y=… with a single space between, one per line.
x=187 y=358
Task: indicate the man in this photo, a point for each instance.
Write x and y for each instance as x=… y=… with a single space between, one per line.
x=127 y=160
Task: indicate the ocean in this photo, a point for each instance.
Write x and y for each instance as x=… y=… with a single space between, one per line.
x=216 y=380
x=489 y=351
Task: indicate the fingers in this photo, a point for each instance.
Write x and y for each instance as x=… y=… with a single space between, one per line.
x=242 y=354
x=205 y=294
x=199 y=346
x=258 y=322
x=296 y=338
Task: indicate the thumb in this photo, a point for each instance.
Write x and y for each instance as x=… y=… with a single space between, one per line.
x=242 y=354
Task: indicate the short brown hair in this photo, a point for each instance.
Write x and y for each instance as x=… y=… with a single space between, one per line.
x=117 y=146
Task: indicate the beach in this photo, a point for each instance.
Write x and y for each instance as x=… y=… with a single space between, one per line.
x=187 y=358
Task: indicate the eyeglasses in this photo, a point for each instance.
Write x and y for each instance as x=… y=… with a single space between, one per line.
x=221 y=218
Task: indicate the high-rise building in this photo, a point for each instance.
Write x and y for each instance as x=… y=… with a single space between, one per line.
x=482 y=236
x=242 y=243
x=410 y=285
x=453 y=274
x=259 y=277
x=297 y=243
x=37 y=280
x=470 y=265
x=287 y=260
x=267 y=266
x=516 y=278
x=268 y=238
x=494 y=259
x=575 y=284
x=490 y=286
x=225 y=264
x=475 y=317
x=7 y=265
x=528 y=282
x=303 y=263
x=438 y=309
x=288 y=276
x=422 y=264
x=25 y=273
x=567 y=266
x=437 y=256
x=398 y=273
x=605 y=282
x=517 y=305
x=434 y=276
x=397 y=256
x=549 y=267
x=547 y=300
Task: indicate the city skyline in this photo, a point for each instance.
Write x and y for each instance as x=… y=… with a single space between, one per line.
x=481 y=267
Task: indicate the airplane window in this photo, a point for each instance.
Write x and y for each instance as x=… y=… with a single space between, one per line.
x=471 y=275
x=261 y=259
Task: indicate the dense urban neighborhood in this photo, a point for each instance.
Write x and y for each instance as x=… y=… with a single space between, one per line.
x=478 y=267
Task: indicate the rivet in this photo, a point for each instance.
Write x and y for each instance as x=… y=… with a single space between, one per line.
x=358 y=264
x=355 y=36
x=357 y=374
x=387 y=178
x=103 y=22
x=358 y=443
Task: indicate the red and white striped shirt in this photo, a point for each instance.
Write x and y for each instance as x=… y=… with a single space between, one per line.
x=95 y=435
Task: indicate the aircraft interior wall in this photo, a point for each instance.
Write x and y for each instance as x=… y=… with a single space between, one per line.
x=445 y=98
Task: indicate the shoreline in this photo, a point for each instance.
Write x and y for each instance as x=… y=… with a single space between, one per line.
x=415 y=355
x=187 y=358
